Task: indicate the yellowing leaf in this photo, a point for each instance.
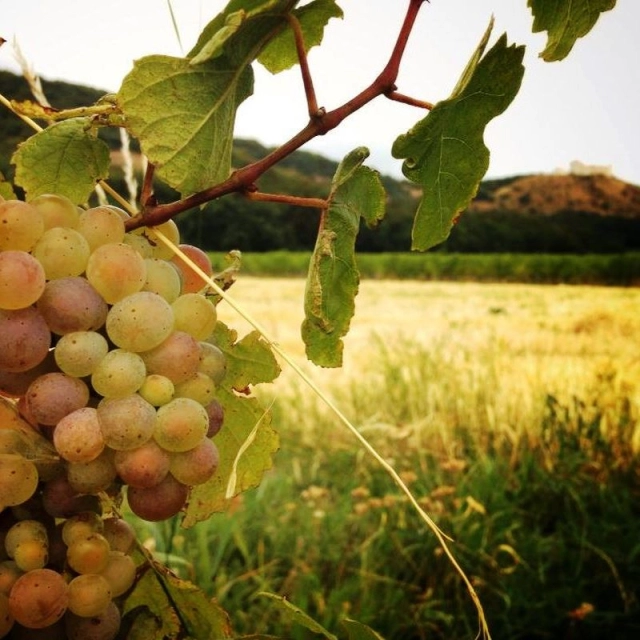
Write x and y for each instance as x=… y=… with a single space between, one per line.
x=565 y=21
x=249 y=360
x=162 y=606
x=333 y=279
x=241 y=30
x=6 y=189
x=359 y=631
x=184 y=116
x=242 y=464
x=297 y=615
x=445 y=152
x=65 y=158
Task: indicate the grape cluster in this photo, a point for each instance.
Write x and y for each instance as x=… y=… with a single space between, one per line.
x=62 y=577
x=108 y=375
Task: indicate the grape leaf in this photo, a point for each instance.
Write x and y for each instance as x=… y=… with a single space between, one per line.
x=565 y=21
x=333 y=279
x=249 y=361
x=6 y=189
x=445 y=151
x=247 y=440
x=246 y=444
x=184 y=115
x=160 y=606
x=280 y=53
x=359 y=631
x=66 y=158
x=241 y=30
x=297 y=615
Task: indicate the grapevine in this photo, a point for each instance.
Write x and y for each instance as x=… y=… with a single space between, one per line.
x=119 y=387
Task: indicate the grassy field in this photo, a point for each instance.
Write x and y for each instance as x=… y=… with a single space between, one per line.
x=510 y=410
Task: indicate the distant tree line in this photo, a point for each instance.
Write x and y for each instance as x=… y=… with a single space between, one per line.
x=234 y=222
x=231 y=223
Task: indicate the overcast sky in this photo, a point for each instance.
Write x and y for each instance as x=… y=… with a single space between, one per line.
x=583 y=108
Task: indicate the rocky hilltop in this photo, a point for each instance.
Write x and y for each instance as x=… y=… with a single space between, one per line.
x=550 y=194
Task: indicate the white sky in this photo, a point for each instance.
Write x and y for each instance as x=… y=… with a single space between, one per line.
x=585 y=107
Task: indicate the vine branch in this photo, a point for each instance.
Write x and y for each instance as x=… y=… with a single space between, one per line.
x=307 y=80
x=315 y=203
x=319 y=124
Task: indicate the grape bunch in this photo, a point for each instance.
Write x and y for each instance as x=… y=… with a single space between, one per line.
x=62 y=577
x=108 y=378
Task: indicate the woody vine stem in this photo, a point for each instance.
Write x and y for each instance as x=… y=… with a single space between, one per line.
x=320 y=122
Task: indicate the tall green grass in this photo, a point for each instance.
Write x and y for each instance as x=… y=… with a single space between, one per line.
x=540 y=495
x=615 y=269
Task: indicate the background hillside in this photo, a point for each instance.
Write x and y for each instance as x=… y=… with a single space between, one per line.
x=589 y=212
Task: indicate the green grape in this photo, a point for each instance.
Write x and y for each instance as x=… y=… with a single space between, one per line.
x=32 y=554
x=116 y=271
x=101 y=627
x=157 y=390
x=22 y=279
x=145 y=466
x=213 y=362
x=62 y=252
x=26 y=543
x=161 y=502
x=192 y=282
x=120 y=573
x=121 y=212
x=162 y=278
x=56 y=211
x=159 y=249
x=126 y=422
x=78 y=353
x=199 y=388
x=39 y=598
x=94 y=476
x=81 y=525
x=9 y=573
x=6 y=618
x=140 y=321
x=139 y=244
x=24 y=339
x=181 y=424
x=101 y=225
x=88 y=554
x=120 y=535
x=78 y=436
x=18 y=479
x=21 y=225
x=24 y=530
x=52 y=396
x=89 y=595
x=72 y=304
x=196 y=466
x=120 y=373
x=195 y=315
x=177 y=358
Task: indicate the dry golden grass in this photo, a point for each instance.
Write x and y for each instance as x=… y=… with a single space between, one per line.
x=499 y=348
